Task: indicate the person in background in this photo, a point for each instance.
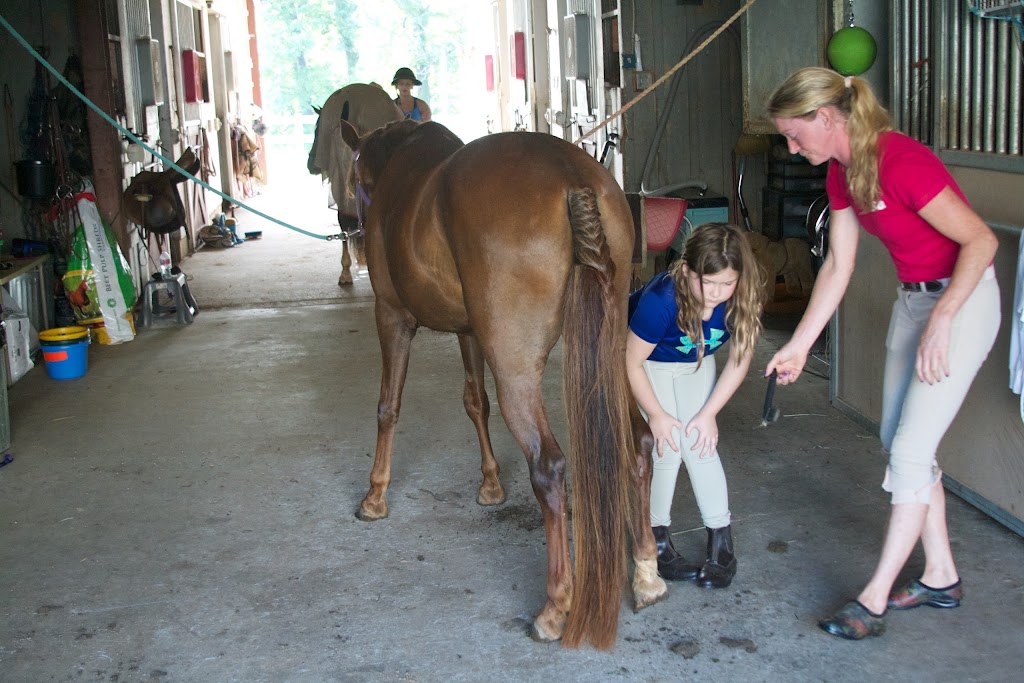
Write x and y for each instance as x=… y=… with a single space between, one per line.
x=943 y=323
x=412 y=107
x=677 y=321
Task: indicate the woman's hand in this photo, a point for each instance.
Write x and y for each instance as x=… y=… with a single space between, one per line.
x=707 y=434
x=661 y=427
x=932 y=363
x=789 y=361
x=953 y=218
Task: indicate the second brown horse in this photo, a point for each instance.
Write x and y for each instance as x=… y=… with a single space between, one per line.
x=511 y=242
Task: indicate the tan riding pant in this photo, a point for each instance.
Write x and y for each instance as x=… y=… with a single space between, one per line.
x=915 y=414
x=682 y=389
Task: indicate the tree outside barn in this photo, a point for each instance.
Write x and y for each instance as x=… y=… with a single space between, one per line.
x=310 y=48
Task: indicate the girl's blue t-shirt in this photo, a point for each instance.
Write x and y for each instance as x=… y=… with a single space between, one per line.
x=652 y=317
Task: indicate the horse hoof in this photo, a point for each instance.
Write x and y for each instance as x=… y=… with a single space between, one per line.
x=648 y=587
x=548 y=626
x=371 y=513
x=540 y=636
x=649 y=596
x=345 y=279
x=491 y=495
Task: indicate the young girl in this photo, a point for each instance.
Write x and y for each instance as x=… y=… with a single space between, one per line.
x=677 y=321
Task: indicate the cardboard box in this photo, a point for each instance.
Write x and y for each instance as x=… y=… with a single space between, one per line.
x=19 y=360
x=18 y=334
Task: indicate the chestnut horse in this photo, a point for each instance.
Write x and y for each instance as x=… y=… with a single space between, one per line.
x=365 y=106
x=510 y=242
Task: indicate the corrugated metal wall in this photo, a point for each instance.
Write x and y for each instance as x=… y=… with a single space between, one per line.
x=974 y=63
x=137 y=25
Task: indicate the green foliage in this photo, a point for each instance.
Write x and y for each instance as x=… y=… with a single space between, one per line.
x=297 y=41
x=310 y=48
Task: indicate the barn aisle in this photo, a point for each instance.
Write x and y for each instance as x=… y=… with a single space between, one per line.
x=283 y=267
x=185 y=512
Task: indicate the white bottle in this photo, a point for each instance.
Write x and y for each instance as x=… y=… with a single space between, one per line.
x=165 y=265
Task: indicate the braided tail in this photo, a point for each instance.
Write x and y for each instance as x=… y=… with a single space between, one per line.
x=600 y=438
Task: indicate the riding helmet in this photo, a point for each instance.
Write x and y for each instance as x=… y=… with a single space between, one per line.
x=405 y=72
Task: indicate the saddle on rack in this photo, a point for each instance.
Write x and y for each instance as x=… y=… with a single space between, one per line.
x=152 y=200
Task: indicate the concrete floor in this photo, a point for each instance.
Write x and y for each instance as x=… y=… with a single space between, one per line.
x=184 y=512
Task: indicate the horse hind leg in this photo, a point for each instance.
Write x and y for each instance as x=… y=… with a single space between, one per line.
x=520 y=395
x=478 y=408
x=395 y=332
x=648 y=586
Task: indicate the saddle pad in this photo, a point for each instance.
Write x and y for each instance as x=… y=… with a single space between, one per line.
x=662 y=217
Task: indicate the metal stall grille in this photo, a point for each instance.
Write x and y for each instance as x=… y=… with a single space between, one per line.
x=911 y=102
x=136 y=25
x=957 y=78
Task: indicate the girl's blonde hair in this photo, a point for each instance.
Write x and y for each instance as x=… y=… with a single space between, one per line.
x=710 y=249
x=808 y=90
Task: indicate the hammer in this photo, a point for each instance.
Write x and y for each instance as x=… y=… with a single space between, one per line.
x=770 y=413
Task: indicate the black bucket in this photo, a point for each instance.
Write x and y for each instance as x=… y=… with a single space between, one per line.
x=36 y=179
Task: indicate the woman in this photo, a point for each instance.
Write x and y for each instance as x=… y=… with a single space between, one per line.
x=412 y=107
x=943 y=323
x=677 y=322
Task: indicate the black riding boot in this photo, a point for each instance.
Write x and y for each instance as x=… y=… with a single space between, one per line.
x=671 y=565
x=721 y=565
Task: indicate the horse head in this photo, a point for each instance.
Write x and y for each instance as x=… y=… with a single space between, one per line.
x=311 y=164
x=373 y=150
x=311 y=161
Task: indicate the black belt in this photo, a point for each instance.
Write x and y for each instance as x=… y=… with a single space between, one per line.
x=930 y=286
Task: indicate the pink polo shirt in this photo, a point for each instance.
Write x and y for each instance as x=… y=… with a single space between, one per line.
x=910 y=176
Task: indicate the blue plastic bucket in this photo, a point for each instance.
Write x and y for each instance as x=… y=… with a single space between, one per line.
x=66 y=360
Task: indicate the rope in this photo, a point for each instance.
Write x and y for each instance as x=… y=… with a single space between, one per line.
x=668 y=74
x=131 y=136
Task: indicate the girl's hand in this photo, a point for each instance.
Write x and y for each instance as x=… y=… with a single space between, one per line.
x=932 y=363
x=661 y=427
x=707 y=434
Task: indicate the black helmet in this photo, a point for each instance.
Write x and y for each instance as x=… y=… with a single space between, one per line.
x=405 y=72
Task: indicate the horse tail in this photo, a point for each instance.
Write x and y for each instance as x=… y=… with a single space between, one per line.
x=597 y=404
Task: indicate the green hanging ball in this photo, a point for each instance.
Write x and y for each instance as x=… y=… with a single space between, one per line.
x=851 y=51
